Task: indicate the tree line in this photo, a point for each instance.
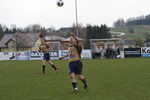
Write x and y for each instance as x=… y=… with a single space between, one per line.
x=141 y=20
x=88 y=32
x=34 y=28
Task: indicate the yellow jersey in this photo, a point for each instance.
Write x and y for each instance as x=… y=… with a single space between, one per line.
x=44 y=48
x=73 y=54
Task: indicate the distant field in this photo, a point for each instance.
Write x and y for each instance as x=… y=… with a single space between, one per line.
x=118 y=79
x=139 y=31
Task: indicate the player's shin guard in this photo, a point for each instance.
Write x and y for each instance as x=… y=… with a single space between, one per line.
x=43 y=69
x=85 y=83
x=84 y=80
x=74 y=84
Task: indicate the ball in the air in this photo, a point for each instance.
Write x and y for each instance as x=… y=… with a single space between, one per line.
x=60 y=3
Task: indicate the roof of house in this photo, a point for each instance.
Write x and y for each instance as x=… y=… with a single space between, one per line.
x=23 y=39
x=68 y=39
x=5 y=39
x=56 y=38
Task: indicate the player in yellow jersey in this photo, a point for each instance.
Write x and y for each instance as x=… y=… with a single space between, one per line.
x=45 y=49
x=75 y=65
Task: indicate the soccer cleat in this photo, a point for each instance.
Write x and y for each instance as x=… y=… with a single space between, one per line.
x=56 y=70
x=75 y=90
x=85 y=86
x=42 y=72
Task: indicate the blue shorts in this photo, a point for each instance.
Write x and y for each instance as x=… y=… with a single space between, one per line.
x=46 y=56
x=75 y=67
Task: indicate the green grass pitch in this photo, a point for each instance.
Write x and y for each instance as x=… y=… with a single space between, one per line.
x=110 y=79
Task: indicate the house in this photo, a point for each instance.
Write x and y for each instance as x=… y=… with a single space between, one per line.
x=19 y=42
x=65 y=43
x=147 y=43
x=55 y=42
x=31 y=42
x=6 y=42
x=60 y=43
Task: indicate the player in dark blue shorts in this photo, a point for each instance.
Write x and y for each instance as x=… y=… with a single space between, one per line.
x=75 y=67
x=75 y=64
x=45 y=49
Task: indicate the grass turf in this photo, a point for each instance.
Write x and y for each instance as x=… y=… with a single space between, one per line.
x=110 y=79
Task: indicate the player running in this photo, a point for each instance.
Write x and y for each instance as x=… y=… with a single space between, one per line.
x=45 y=49
x=75 y=65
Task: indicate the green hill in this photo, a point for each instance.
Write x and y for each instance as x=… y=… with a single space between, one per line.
x=139 y=31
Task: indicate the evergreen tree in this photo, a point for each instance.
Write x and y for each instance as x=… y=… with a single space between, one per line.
x=96 y=32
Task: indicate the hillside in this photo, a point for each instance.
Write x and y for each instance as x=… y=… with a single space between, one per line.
x=139 y=31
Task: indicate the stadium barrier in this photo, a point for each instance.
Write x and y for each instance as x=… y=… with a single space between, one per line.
x=137 y=52
x=145 y=51
x=86 y=54
x=35 y=55
x=132 y=52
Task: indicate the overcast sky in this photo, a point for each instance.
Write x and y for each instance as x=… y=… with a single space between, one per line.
x=46 y=12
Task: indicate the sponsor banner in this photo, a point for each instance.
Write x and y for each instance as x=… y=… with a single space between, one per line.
x=63 y=53
x=54 y=55
x=132 y=52
x=22 y=55
x=1 y=56
x=35 y=55
x=145 y=51
x=86 y=54
x=7 y=56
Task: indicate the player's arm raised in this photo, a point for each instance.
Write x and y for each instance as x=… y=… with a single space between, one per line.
x=60 y=58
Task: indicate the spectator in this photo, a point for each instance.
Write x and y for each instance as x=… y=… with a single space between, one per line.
x=107 y=53
x=102 y=52
x=98 y=51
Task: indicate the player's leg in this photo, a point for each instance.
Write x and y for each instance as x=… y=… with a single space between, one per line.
x=43 y=67
x=82 y=78
x=72 y=76
x=73 y=82
x=52 y=64
x=80 y=75
x=47 y=57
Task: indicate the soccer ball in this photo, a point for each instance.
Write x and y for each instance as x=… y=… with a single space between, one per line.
x=60 y=3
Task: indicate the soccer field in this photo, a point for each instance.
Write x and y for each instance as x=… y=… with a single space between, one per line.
x=110 y=79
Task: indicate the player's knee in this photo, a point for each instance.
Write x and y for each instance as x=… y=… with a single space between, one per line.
x=50 y=63
x=71 y=76
x=43 y=63
x=80 y=77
